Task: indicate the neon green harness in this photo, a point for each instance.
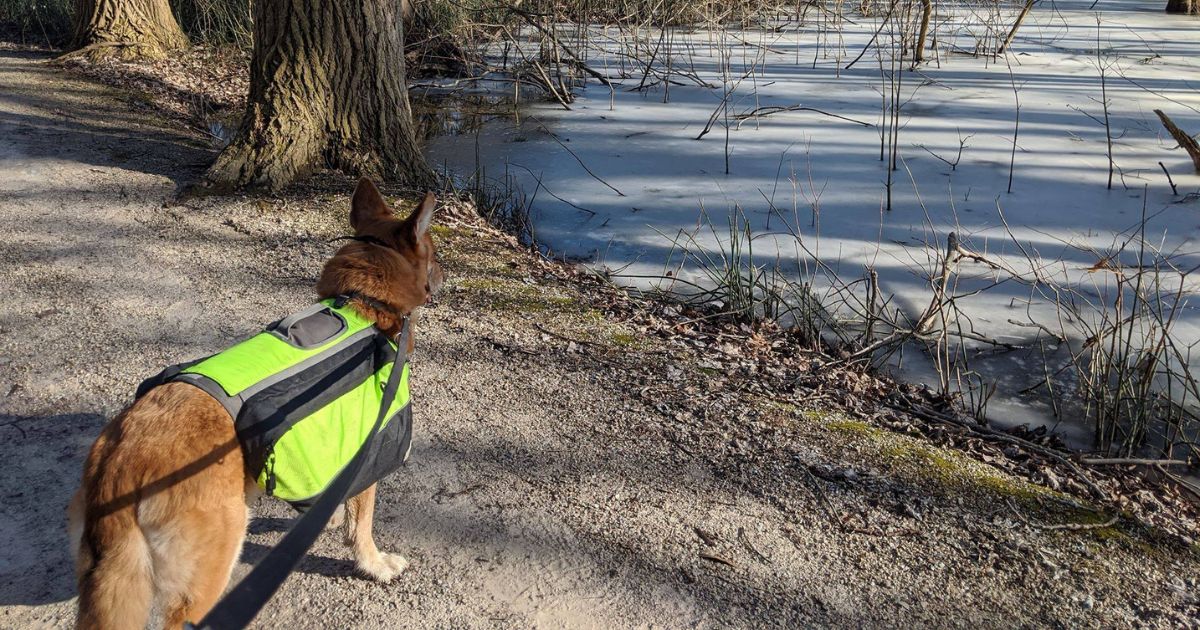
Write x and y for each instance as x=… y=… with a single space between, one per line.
x=304 y=394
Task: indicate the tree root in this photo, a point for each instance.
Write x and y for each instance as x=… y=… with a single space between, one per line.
x=124 y=50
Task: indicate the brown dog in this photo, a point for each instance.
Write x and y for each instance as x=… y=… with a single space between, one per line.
x=162 y=508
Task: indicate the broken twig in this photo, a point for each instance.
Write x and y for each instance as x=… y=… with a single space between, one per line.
x=712 y=557
x=1186 y=141
x=1132 y=461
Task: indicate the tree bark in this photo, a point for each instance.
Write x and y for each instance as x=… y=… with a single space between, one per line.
x=926 y=13
x=1189 y=7
x=326 y=90
x=128 y=29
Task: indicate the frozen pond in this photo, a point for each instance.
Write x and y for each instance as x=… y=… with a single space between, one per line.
x=801 y=131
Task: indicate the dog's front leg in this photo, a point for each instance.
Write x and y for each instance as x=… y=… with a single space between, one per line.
x=378 y=565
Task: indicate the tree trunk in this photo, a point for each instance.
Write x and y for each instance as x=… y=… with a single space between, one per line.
x=128 y=29
x=1190 y=7
x=1016 y=26
x=326 y=89
x=926 y=13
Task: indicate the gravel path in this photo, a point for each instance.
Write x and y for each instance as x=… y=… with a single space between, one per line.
x=546 y=487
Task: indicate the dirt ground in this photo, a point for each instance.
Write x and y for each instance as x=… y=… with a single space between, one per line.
x=568 y=470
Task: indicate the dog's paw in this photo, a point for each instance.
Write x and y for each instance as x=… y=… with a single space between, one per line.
x=398 y=562
x=384 y=568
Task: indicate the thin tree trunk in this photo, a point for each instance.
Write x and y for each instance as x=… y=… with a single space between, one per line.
x=1016 y=25
x=1189 y=7
x=926 y=13
x=125 y=28
x=326 y=90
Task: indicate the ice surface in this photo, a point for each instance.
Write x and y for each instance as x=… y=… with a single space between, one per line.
x=643 y=144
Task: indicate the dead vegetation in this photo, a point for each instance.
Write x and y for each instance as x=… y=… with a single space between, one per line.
x=204 y=89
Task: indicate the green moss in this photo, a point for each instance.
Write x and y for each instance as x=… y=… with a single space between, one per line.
x=778 y=413
x=777 y=405
x=622 y=339
x=442 y=231
x=506 y=295
x=845 y=426
x=923 y=462
x=1091 y=517
x=812 y=415
x=913 y=452
x=951 y=471
x=1109 y=534
x=1144 y=539
x=920 y=462
x=1004 y=485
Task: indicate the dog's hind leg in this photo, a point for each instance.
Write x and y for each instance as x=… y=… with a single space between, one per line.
x=377 y=565
x=194 y=556
x=114 y=573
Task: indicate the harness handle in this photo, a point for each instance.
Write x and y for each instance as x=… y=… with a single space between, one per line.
x=239 y=607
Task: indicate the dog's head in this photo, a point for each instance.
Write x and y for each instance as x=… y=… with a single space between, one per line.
x=394 y=263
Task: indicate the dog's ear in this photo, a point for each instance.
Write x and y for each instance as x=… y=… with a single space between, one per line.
x=368 y=205
x=418 y=224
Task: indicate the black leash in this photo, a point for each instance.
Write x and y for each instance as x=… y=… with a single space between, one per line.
x=239 y=607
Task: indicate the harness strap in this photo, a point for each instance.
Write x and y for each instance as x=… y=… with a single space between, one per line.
x=239 y=607
x=369 y=301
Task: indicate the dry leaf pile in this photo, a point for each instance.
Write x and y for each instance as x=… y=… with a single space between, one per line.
x=204 y=88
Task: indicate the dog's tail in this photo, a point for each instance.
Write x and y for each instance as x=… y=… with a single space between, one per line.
x=112 y=566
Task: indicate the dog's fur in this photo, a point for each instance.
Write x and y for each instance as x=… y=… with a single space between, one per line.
x=162 y=508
